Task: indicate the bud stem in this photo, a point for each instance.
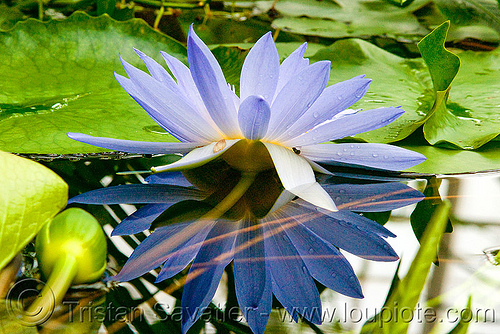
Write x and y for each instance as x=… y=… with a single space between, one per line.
x=53 y=292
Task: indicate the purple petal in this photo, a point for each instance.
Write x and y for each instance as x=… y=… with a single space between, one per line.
x=292 y=283
x=137 y=193
x=297 y=96
x=260 y=71
x=182 y=256
x=206 y=272
x=140 y=220
x=249 y=264
x=150 y=253
x=187 y=86
x=175 y=108
x=157 y=71
x=372 y=197
x=292 y=65
x=333 y=100
x=253 y=117
x=353 y=220
x=325 y=263
x=211 y=84
x=158 y=117
x=131 y=146
x=172 y=178
x=252 y=281
x=364 y=154
x=344 y=234
x=348 y=125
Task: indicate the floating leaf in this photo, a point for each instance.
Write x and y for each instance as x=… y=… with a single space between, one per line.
x=349 y=18
x=471 y=12
x=31 y=195
x=57 y=77
x=448 y=161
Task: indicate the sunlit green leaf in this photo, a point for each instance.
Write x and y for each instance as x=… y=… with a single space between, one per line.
x=443 y=65
x=31 y=195
x=407 y=293
x=57 y=77
x=465 y=319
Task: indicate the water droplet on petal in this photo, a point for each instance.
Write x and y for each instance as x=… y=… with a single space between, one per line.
x=220 y=145
x=311 y=250
x=315 y=115
x=375 y=155
x=304 y=269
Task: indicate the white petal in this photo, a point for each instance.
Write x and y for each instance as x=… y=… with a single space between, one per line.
x=198 y=156
x=284 y=198
x=318 y=168
x=297 y=177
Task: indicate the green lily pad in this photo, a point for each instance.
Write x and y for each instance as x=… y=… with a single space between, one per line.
x=31 y=195
x=349 y=18
x=9 y=16
x=476 y=13
x=57 y=77
x=449 y=161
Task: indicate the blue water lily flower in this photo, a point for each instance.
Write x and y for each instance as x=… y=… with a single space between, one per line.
x=283 y=115
x=253 y=197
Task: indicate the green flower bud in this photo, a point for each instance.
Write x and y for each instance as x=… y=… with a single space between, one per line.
x=74 y=233
x=71 y=249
